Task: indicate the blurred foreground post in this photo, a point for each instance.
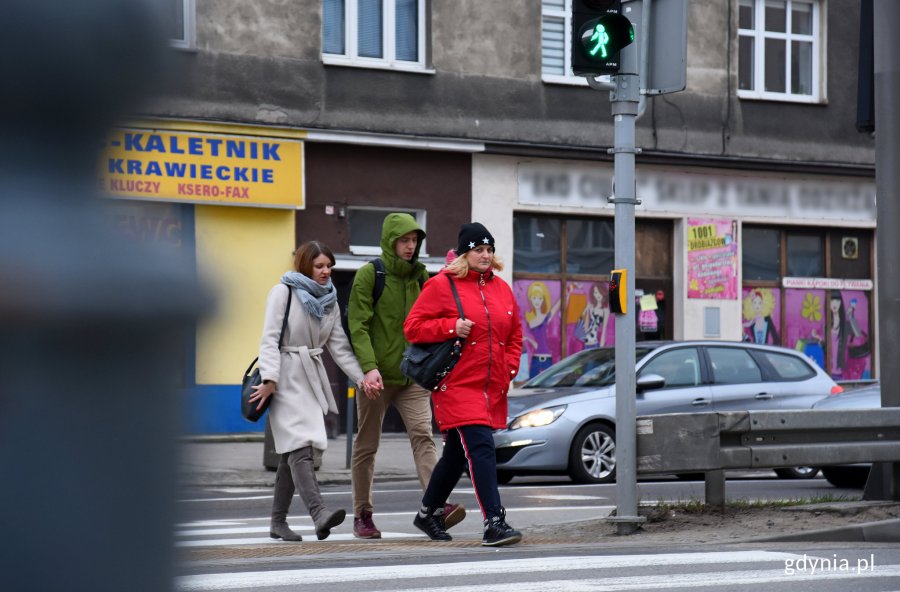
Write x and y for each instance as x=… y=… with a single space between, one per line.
x=90 y=324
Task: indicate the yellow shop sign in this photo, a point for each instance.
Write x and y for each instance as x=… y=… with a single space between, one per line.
x=203 y=168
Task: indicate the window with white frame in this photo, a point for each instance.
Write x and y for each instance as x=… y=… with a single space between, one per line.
x=556 y=33
x=780 y=50
x=178 y=20
x=374 y=33
x=365 y=228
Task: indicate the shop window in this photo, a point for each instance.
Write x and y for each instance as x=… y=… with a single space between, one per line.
x=654 y=258
x=178 y=20
x=815 y=311
x=780 y=50
x=805 y=255
x=590 y=246
x=851 y=254
x=762 y=254
x=537 y=247
x=374 y=33
x=563 y=264
x=365 y=228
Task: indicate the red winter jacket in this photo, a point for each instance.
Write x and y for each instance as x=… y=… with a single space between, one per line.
x=474 y=393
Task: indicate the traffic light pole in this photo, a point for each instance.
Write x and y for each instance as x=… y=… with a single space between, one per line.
x=625 y=99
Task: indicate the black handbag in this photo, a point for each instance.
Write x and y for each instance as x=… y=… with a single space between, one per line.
x=252 y=377
x=428 y=364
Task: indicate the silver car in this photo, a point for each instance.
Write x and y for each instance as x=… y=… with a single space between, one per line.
x=869 y=397
x=563 y=420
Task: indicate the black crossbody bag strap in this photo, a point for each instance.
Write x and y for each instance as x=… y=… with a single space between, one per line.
x=287 y=312
x=459 y=307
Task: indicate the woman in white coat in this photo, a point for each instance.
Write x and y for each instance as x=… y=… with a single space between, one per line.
x=295 y=378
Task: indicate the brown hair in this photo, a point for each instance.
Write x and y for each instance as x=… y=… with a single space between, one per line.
x=307 y=253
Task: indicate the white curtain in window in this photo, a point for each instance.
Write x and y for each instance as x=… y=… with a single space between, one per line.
x=370 y=28
x=406 y=25
x=553 y=58
x=333 y=27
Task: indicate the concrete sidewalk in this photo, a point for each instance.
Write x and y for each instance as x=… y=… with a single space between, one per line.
x=237 y=461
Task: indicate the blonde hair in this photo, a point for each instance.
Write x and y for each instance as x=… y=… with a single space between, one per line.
x=459 y=267
x=538 y=289
x=768 y=303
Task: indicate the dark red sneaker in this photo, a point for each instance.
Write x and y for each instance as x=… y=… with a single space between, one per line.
x=364 y=528
x=453 y=515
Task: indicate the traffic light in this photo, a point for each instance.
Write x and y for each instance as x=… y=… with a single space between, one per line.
x=599 y=31
x=618 y=288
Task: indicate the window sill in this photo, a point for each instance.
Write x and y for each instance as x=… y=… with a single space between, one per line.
x=781 y=98
x=564 y=80
x=333 y=60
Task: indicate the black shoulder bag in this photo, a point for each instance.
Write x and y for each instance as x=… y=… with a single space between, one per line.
x=427 y=364
x=252 y=377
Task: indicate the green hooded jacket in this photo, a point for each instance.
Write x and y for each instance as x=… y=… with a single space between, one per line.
x=377 y=336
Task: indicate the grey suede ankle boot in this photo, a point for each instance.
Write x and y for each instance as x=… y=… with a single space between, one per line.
x=301 y=464
x=281 y=503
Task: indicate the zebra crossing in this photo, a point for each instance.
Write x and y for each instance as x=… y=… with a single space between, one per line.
x=731 y=570
x=255 y=531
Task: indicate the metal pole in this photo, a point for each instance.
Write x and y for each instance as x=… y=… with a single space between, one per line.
x=624 y=109
x=351 y=412
x=887 y=173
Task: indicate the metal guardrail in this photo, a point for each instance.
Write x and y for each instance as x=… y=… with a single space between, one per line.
x=714 y=442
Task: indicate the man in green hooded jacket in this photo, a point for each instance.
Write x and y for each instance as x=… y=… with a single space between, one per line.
x=376 y=331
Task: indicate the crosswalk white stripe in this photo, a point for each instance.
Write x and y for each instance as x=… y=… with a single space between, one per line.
x=668 y=581
x=307 y=538
x=231 y=581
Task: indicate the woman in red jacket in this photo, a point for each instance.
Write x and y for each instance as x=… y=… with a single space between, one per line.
x=471 y=401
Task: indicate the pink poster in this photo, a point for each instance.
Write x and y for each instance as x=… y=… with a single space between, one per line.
x=589 y=322
x=849 y=353
x=804 y=319
x=762 y=315
x=539 y=303
x=712 y=259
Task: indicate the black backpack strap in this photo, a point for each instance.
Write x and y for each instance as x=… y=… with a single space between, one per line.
x=459 y=307
x=380 y=275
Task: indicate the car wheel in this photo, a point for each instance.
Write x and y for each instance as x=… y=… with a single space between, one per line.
x=504 y=477
x=592 y=458
x=850 y=477
x=797 y=472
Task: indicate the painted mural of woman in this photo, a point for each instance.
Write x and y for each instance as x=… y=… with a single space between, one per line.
x=758 y=306
x=850 y=354
x=538 y=318
x=837 y=335
x=595 y=318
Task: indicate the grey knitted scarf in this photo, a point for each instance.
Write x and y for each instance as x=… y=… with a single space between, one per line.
x=316 y=298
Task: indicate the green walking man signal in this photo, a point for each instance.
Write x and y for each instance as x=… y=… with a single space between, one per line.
x=598 y=33
x=600 y=39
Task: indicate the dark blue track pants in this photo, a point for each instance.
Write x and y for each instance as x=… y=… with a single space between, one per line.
x=473 y=446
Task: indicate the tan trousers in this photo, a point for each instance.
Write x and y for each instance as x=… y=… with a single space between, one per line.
x=414 y=405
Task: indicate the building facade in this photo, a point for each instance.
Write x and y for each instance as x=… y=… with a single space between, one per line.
x=757 y=213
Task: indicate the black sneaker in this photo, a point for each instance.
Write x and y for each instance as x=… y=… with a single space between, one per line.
x=498 y=533
x=433 y=526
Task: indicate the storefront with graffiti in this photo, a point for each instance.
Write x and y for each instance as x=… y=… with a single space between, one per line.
x=720 y=254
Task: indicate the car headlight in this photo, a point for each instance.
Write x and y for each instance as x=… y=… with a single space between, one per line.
x=537 y=418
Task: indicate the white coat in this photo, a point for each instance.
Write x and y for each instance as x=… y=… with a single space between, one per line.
x=298 y=407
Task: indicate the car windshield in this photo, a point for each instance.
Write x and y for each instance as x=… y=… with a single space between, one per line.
x=590 y=367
